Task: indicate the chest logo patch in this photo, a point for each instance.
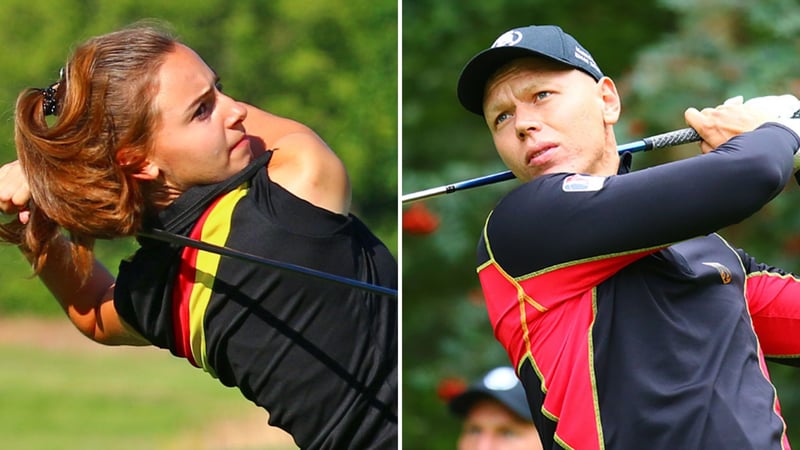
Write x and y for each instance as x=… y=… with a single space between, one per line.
x=724 y=272
x=582 y=183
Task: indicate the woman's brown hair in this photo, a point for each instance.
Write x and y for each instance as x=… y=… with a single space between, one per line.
x=80 y=166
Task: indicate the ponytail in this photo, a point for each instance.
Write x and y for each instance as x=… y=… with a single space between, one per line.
x=104 y=114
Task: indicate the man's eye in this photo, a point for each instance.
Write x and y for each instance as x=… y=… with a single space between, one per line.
x=218 y=85
x=542 y=95
x=472 y=430
x=501 y=118
x=508 y=433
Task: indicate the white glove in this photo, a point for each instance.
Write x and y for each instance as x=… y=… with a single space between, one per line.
x=738 y=100
x=781 y=109
x=793 y=124
x=775 y=106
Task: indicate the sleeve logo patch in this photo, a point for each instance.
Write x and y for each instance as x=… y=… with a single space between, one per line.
x=582 y=183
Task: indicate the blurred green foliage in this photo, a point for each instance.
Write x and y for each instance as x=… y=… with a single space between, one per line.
x=331 y=64
x=665 y=55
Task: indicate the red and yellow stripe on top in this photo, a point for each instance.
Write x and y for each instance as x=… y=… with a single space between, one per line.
x=195 y=281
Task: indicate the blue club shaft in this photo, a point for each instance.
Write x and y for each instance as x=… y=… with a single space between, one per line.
x=670 y=139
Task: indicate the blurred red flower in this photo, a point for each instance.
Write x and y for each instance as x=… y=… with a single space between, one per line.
x=449 y=388
x=792 y=245
x=418 y=219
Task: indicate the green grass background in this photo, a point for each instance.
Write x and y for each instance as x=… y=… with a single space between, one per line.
x=57 y=398
x=64 y=397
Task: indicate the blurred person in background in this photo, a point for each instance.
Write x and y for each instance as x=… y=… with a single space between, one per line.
x=495 y=414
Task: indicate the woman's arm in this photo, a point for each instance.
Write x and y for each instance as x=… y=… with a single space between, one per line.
x=302 y=162
x=89 y=306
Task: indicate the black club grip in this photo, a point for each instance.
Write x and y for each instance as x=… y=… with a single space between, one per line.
x=672 y=138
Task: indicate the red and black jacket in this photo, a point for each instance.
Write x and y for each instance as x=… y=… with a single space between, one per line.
x=630 y=322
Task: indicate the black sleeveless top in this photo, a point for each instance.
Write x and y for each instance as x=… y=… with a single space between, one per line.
x=320 y=357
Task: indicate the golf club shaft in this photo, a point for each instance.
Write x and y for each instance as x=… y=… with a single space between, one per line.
x=670 y=139
x=180 y=240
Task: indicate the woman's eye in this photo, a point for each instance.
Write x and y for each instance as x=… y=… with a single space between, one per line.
x=542 y=95
x=201 y=111
x=218 y=85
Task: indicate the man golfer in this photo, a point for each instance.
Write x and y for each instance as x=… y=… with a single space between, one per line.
x=630 y=322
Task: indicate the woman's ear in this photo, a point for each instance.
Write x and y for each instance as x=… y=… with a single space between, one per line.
x=147 y=169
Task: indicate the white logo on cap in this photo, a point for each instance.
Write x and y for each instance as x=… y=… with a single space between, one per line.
x=508 y=39
x=584 y=56
x=501 y=379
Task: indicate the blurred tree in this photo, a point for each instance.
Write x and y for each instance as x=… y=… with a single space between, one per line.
x=665 y=55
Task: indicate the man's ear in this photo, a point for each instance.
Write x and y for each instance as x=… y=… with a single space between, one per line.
x=612 y=105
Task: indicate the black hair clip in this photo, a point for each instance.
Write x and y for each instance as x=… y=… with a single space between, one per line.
x=50 y=104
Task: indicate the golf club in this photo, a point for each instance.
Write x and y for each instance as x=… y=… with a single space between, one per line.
x=176 y=239
x=669 y=139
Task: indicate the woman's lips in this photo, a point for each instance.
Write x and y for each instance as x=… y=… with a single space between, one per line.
x=242 y=143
